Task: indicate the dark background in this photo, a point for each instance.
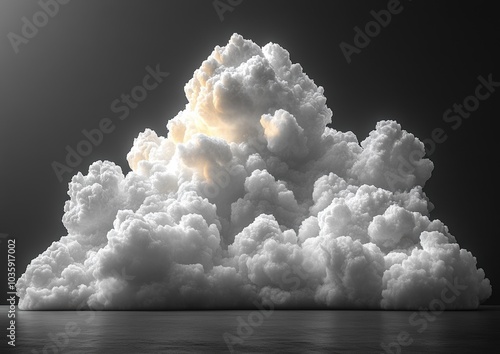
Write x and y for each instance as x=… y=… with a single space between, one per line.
x=64 y=80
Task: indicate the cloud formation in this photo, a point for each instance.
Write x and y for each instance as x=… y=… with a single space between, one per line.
x=252 y=198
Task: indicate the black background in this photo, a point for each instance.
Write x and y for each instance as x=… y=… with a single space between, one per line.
x=64 y=79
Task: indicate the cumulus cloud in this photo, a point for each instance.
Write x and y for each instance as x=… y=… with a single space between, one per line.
x=250 y=198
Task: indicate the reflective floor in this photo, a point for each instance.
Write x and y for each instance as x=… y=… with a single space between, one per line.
x=256 y=332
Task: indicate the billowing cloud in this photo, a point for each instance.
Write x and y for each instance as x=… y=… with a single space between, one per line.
x=251 y=198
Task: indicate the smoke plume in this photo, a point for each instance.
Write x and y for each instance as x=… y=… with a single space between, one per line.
x=251 y=198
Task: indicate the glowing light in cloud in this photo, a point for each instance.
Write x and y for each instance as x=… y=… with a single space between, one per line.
x=306 y=218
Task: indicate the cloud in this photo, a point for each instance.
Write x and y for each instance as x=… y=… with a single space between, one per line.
x=251 y=197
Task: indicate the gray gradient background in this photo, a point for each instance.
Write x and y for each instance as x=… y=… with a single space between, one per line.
x=66 y=77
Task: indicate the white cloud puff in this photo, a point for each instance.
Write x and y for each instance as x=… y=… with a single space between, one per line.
x=251 y=197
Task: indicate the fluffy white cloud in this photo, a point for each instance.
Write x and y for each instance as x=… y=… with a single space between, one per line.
x=392 y=159
x=436 y=271
x=250 y=198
